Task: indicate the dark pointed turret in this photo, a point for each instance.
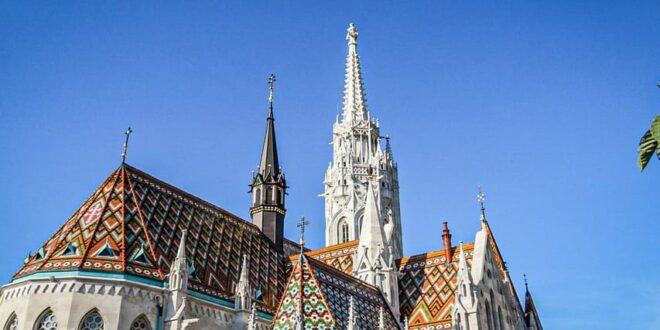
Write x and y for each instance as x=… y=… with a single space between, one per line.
x=269 y=164
x=268 y=185
x=532 y=319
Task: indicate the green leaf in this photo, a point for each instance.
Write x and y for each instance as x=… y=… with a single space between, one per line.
x=647 y=146
x=655 y=128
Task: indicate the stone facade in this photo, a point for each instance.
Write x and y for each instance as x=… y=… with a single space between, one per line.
x=356 y=155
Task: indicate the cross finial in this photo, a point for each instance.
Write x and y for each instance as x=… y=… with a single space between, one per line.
x=525 y=278
x=271 y=89
x=302 y=225
x=124 y=152
x=481 y=198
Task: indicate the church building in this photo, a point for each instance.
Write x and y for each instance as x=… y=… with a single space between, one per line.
x=141 y=254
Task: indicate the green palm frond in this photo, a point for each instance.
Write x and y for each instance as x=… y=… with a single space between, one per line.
x=647 y=146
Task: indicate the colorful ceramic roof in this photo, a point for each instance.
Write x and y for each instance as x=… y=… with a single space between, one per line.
x=426 y=288
x=132 y=224
x=340 y=256
x=325 y=293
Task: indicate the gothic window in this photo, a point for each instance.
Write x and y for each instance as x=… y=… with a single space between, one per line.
x=269 y=195
x=12 y=323
x=281 y=196
x=499 y=317
x=342 y=232
x=46 y=321
x=141 y=323
x=489 y=316
x=257 y=197
x=91 y=321
x=493 y=316
x=360 y=223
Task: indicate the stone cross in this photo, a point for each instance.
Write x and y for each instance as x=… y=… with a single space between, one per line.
x=302 y=225
x=481 y=198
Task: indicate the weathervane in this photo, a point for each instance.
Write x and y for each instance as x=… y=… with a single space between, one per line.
x=302 y=225
x=124 y=152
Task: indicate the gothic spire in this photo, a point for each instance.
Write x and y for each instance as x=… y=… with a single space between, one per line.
x=269 y=164
x=355 y=107
x=243 y=293
x=372 y=236
x=268 y=186
x=178 y=276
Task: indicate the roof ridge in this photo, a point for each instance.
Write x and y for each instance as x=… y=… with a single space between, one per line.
x=430 y=254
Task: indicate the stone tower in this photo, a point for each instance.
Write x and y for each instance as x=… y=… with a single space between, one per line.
x=358 y=154
x=268 y=185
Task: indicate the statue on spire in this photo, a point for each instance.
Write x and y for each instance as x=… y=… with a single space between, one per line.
x=351 y=35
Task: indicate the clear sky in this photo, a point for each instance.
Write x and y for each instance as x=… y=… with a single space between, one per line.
x=541 y=103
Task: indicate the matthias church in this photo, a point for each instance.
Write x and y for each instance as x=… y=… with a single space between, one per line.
x=140 y=253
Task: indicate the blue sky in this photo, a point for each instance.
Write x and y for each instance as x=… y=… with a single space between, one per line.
x=541 y=103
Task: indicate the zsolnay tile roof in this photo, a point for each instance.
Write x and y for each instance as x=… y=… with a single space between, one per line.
x=426 y=285
x=326 y=293
x=132 y=224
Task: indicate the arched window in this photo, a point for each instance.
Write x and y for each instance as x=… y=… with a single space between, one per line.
x=12 y=322
x=499 y=317
x=494 y=317
x=342 y=231
x=46 y=321
x=257 y=197
x=270 y=195
x=91 y=321
x=141 y=323
x=489 y=316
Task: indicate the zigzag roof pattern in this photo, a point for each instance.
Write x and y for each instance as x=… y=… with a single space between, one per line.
x=132 y=224
x=325 y=297
x=427 y=287
x=339 y=256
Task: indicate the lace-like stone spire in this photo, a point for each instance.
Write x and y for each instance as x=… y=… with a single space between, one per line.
x=355 y=107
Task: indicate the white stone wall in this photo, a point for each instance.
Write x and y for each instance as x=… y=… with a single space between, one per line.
x=118 y=301
x=494 y=306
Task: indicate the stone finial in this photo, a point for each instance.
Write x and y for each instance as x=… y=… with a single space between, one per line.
x=243 y=292
x=352 y=322
x=179 y=271
x=252 y=321
x=381 y=319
